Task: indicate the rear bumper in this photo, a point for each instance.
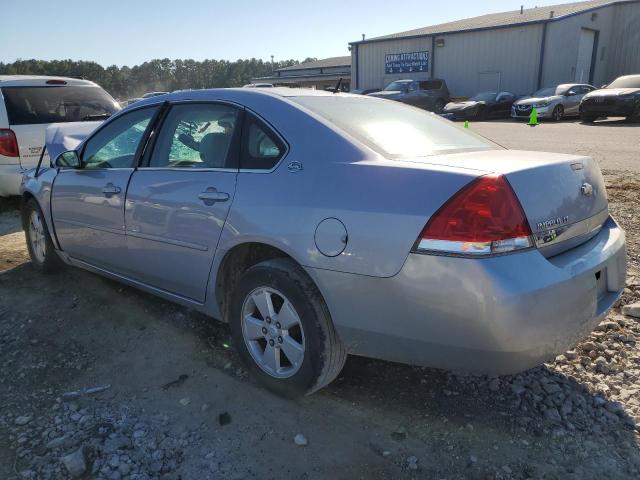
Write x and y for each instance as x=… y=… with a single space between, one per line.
x=10 y=179
x=498 y=315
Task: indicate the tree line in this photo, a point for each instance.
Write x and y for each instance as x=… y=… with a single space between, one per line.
x=155 y=75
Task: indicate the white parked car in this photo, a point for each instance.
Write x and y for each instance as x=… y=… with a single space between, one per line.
x=28 y=104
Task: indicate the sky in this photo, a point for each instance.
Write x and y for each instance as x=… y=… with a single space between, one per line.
x=129 y=32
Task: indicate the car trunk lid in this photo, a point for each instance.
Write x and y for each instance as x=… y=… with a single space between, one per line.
x=563 y=196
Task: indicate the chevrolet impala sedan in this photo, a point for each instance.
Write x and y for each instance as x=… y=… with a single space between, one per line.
x=320 y=225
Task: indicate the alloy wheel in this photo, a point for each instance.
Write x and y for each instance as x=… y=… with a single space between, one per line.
x=37 y=236
x=272 y=332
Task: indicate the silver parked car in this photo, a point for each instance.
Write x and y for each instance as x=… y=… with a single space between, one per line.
x=553 y=103
x=322 y=224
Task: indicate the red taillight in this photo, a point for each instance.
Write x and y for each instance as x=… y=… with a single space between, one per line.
x=484 y=217
x=8 y=143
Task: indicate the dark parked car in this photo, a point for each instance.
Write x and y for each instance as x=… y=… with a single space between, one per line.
x=482 y=106
x=431 y=95
x=365 y=91
x=621 y=98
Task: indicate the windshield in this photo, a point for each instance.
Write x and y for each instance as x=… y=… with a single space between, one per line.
x=626 y=82
x=484 y=97
x=38 y=105
x=394 y=129
x=397 y=86
x=547 y=92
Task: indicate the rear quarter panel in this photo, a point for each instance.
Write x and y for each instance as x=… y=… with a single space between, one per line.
x=383 y=204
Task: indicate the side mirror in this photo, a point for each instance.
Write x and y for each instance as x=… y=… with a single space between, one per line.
x=570 y=93
x=604 y=86
x=68 y=159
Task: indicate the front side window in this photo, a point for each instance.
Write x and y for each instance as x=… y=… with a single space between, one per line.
x=261 y=147
x=397 y=86
x=115 y=145
x=196 y=136
x=38 y=105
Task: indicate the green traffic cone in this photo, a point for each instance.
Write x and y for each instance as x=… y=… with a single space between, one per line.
x=466 y=124
x=533 y=118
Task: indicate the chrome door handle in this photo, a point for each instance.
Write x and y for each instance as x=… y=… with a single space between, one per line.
x=211 y=196
x=111 y=189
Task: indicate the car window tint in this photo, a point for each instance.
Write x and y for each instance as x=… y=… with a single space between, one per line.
x=261 y=147
x=39 y=105
x=430 y=85
x=195 y=136
x=115 y=145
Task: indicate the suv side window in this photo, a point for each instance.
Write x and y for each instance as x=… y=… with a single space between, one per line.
x=115 y=145
x=430 y=85
x=196 y=136
x=261 y=148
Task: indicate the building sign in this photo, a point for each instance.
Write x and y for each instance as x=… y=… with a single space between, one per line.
x=406 y=62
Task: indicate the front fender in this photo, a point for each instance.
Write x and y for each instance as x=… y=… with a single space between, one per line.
x=40 y=189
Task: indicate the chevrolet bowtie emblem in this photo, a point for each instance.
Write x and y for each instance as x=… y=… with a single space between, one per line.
x=586 y=189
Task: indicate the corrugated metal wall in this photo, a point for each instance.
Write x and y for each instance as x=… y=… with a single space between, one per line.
x=563 y=38
x=624 y=53
x=371 y=73
x=505 y=58
x=509 y=58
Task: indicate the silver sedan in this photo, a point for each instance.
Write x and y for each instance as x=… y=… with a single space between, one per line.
x=554 y=103
x=319 y=225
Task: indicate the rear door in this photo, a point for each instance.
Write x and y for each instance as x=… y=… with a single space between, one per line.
x=178 y=200
x=88 y=203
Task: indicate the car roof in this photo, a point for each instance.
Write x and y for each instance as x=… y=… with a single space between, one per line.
x=240 y=95
x=39 y=81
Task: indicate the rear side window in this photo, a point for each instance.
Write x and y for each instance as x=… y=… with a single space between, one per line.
x=38 y=105
x=262 y=149
x=430 y=85
x=196 y=136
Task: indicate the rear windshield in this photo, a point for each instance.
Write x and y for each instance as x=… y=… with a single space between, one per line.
x=37 y=105
x=626 y=82
x=393 y=129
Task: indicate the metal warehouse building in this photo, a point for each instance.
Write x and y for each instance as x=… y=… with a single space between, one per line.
x=318 y=74
x=519 y=51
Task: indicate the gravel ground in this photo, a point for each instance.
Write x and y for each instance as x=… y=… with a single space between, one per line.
x=98 y=380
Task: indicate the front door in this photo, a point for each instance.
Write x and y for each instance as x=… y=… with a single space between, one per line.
x=88 y=202
x=178 y=200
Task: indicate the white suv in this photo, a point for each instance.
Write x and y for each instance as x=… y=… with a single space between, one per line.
x=28 y=104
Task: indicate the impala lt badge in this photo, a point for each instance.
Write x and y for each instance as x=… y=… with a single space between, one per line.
x=586 y=189
x=554 y=222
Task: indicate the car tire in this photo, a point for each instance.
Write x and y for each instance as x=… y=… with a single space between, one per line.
x=306 y=333
x=481 y=115
x=587 y=118
x=41 y=250
x=558 y=113
x=439 y=106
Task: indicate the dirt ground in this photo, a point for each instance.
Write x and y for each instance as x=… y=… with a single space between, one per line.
x=179 y=405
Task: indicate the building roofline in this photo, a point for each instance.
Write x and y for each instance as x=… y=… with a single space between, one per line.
x=495 y=27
